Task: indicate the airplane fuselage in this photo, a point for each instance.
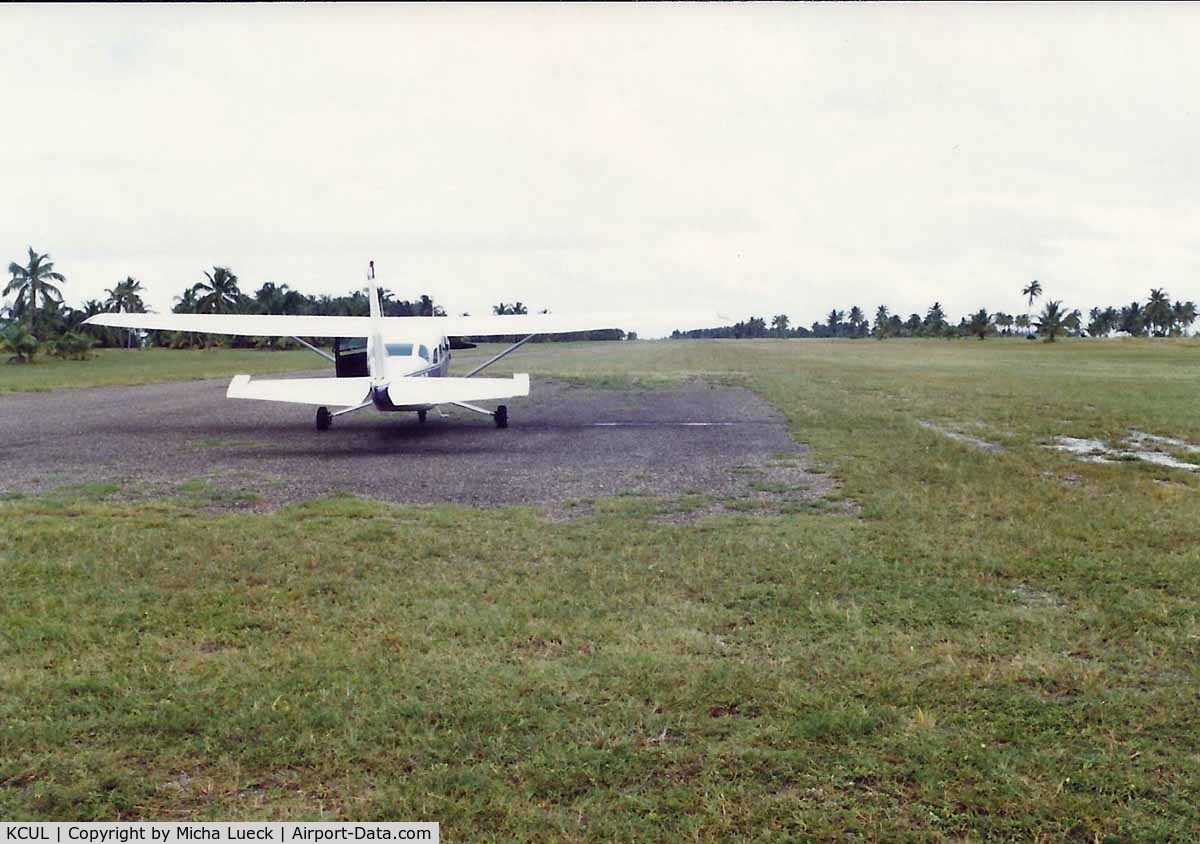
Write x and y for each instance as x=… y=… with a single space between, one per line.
x=411 y=356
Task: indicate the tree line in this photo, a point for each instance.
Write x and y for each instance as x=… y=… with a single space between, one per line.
x=1158 y=316
x=38 y=319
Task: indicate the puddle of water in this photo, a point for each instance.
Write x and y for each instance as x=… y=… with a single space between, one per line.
x=1143 y=438
x=1098 y=451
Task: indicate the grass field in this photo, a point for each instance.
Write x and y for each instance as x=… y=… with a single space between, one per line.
x=999 y=647
x=111 y=367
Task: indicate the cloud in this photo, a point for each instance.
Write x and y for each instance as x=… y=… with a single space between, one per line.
x=780 y=158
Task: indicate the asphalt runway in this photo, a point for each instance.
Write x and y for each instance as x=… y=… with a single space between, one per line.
x=564 y=442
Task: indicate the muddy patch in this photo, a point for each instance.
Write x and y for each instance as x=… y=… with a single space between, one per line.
x=962 y=439
x=1138 y=446
x=1029 y=596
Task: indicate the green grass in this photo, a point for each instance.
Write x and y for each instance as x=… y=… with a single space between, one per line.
x=989 y=652
x=113 y=367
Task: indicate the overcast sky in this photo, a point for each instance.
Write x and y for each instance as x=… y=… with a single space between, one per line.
x=758 y=158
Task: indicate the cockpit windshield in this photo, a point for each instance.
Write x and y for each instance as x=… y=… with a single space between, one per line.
x=400 y=350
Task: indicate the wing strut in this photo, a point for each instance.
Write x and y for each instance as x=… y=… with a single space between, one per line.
x=313 y=348
x=504 y=353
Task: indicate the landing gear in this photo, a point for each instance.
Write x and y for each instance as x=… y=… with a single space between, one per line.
x=421 y=416
x=501 y=416
x=324 y=419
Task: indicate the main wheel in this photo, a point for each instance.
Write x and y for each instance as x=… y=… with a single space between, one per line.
x=421 y=416
x=501 y=416
x=324 y=419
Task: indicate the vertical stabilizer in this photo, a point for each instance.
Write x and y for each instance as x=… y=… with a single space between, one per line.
x=378 y=351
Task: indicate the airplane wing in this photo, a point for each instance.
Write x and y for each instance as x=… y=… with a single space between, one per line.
x=275 y=325
x=414 y=391
x=251 y=325
x=337 y=392
x=535 y=323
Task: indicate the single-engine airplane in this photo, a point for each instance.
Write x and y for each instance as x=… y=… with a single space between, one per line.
x=390 y=363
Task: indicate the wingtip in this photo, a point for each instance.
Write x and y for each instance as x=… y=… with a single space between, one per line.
x=236 y=386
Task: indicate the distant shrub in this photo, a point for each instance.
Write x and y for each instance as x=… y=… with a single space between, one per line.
x=18 y=339
x=72 y=345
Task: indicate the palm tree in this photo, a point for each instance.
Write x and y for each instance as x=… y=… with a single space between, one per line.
x=1003 y=321
x=980 y=323
x=1073 y=322
x=882 y=318
x=1185 y=315
x=126 y=298
x=1133 y=319
x=835 y=322
x=33 y=281
x=779 y=324
x=220 y=294
x=1158 y=313
x=1051 y=320
x=857 y=321
x=1022 y=322
x=935 y=319
x=1033 y=290
x=19 y=340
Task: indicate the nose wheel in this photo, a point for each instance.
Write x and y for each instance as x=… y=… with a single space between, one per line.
x=501 y=416
x=324 y=419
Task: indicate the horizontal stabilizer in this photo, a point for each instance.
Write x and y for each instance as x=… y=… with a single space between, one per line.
x=334 y=392
x=423 y=391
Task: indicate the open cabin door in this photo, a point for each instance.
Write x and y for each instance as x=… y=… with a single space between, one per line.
x=350 y=357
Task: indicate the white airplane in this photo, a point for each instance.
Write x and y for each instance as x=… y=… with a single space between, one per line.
x=391 y=363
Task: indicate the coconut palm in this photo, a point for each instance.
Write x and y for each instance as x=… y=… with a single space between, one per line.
x=1185 y=315
x=779 y=324
x=220 y=294
x=857 y=321
x=882 y=321
x=32 y=282
x=1158 y=314
x=835 y=322
x=1051 y=320
x=1022 y=322
x=126 y=298
x=19 y=340
x=1073 y=322
x=935 y=319
x=980 y=323
x=1032 y=290
x=1133 y=319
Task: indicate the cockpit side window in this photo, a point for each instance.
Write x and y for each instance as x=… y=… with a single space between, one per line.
x=424 y=352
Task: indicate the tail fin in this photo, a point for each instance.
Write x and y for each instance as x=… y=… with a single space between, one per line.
x=378 y=350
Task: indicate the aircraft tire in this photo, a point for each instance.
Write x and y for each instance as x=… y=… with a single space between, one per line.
x=324 y=419
x=501 y=416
